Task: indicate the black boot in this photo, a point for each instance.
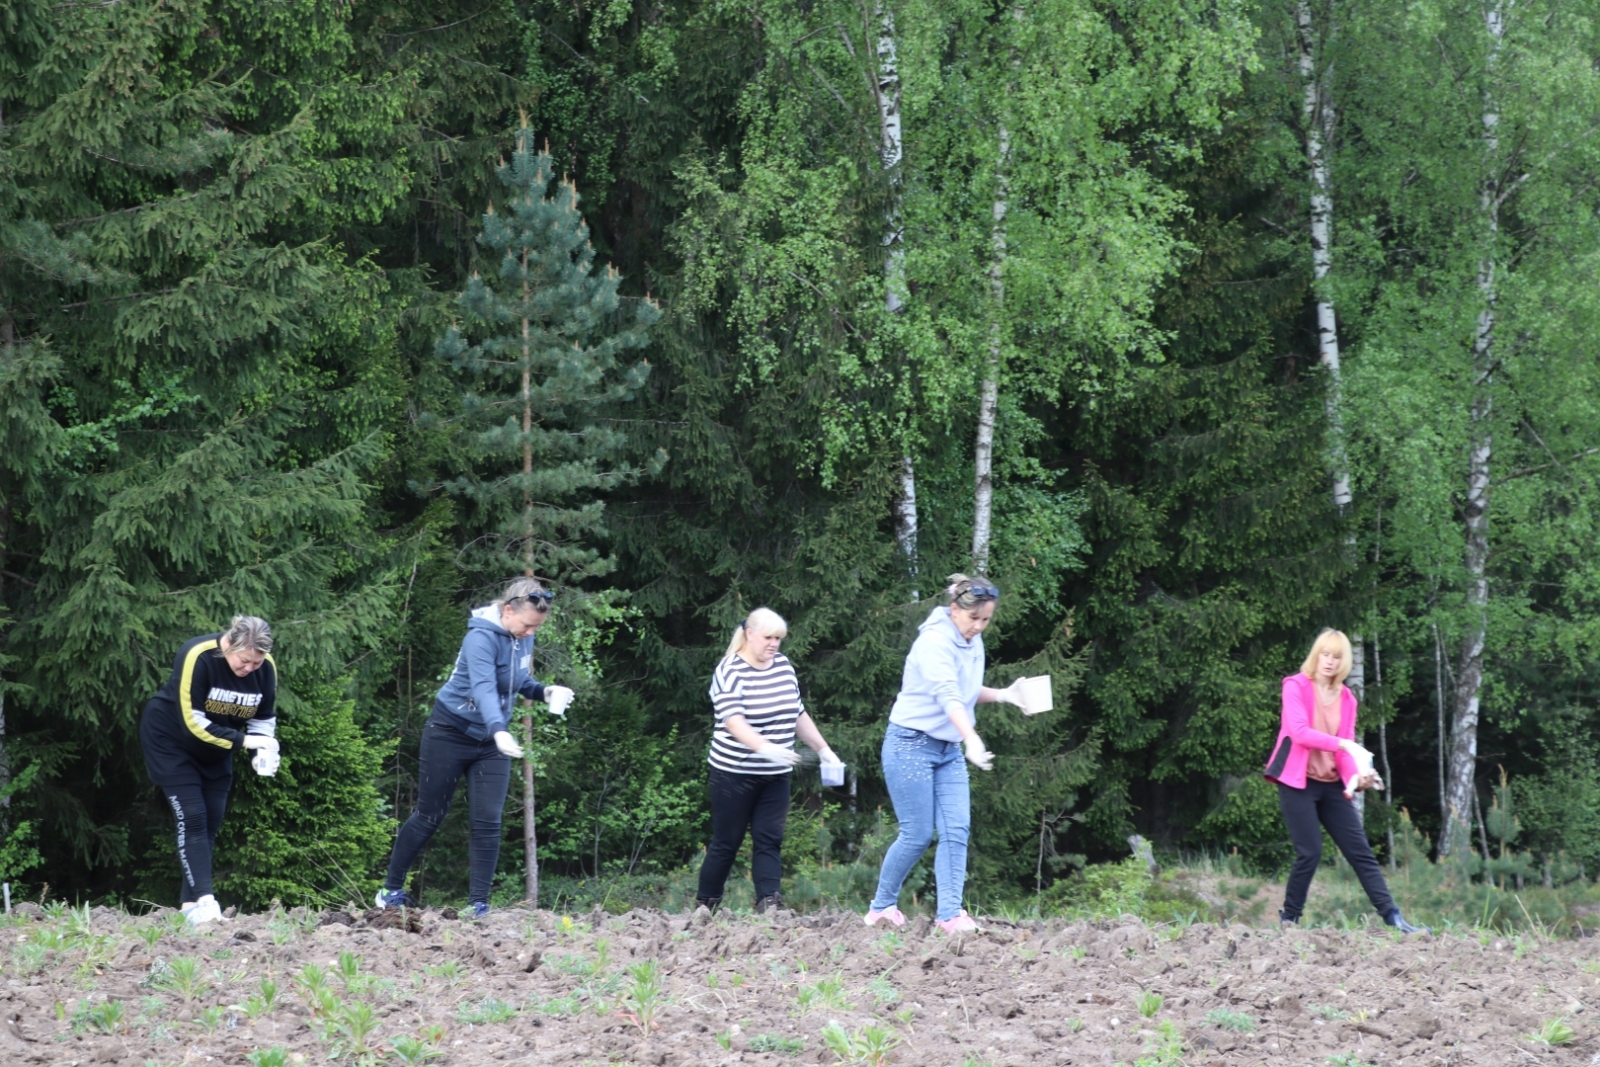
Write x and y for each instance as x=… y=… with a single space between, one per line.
x=768 y=903
x=1398 y=921
x=711 y=904
x=1284 y=920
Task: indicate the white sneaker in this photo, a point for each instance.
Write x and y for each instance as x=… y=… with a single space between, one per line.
x=205 y=910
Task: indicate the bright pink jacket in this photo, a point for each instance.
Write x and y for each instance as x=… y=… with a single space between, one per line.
x=1297 y=737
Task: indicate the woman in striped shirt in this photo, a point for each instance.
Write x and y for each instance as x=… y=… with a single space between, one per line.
x=756 y=700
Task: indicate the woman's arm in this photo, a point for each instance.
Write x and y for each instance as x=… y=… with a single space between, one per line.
x=1297 y=721
x=738 y=726
x=806 y=730
x=477 y=653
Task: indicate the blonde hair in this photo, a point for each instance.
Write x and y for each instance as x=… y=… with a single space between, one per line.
x=1330 y=641
x=765 y=620
x=249 y=633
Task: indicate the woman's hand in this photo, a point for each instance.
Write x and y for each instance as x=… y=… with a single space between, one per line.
x=507 y=744
x=558 y=698
x=977 y=755
x=778 y=755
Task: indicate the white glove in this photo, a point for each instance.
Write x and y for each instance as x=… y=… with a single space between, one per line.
x=558 y=697
x=977 y=755
x=827 y=756
x=777 y=754
x=266 y=762
x=1364 y=770
x=507 y=744
x=262 y=742
x=1012 y=694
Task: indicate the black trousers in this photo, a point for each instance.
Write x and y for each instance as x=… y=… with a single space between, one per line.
x=758 y=803
x=445 y=757
x=198 y=809
x=1306 y=811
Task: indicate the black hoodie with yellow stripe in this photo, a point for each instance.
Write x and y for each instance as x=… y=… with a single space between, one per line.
x=202 y=713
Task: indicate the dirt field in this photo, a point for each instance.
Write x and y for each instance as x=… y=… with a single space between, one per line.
x=648 y=988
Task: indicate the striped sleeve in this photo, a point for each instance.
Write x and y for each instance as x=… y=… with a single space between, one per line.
x=197 y=721
x=768 y=700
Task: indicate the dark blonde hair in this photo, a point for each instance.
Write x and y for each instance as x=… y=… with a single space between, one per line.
x=959 y=590
x=248 y=633
x=521 y=589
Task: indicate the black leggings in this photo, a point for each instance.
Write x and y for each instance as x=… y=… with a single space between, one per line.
x=198 y=810
x=739 y=802
x=1306 y=811
x=446 y=755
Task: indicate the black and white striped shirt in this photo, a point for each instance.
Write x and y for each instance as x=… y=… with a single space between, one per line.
x=768 y=699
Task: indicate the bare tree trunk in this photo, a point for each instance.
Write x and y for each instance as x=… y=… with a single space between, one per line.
x=1438 y=695
x=1383 y=751
x=886 y=89
x=1469 y=671
x=530 y=834
x=989 y=394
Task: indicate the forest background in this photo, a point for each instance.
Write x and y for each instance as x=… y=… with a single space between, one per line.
x=1198 y=325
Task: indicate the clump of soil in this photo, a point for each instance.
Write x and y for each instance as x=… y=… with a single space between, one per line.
x=654 y=988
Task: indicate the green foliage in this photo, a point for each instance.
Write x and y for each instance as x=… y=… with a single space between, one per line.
x=288 y=841
x=543 y=372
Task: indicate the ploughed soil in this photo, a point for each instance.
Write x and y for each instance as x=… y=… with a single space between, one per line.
x=103 y=987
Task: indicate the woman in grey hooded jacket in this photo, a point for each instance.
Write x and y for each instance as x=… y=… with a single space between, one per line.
x=469 y=736
x=933 y=717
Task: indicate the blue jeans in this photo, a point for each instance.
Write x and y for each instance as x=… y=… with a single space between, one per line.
x=927 y=781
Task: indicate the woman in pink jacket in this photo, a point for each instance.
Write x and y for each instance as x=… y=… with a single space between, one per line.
x=1319 y=768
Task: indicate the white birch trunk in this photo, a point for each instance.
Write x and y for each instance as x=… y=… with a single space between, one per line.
x=1461 y=788
x=989 y=394
x=1319 y=113
x=886 y=90
x=1317 y=108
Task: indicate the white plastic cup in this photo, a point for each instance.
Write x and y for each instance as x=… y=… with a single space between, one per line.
x=1035 y=693
x=265 y=763
x=832 y=774
x=559 y=701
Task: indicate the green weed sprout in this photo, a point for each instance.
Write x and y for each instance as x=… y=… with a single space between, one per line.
x=184 y=977
x=1165 y=1050
x=1236 y=1021
x=489 y=1010
x=1554 y=1032
x=276 y=1056
x=644 y=998
x=827 y=993
x=789 y=1046
x=1347 y=1059
x=149 y=933
x=353 y=1024
x=869 y=1046
x=412 y=1051
x=883 y=991
x=725 y=1039
x=1149 y=1004
x=211 y=1018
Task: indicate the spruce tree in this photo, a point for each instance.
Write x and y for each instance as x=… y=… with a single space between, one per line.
x=543 y=379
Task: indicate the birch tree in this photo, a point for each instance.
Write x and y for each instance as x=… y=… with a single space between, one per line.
x=1469 y=116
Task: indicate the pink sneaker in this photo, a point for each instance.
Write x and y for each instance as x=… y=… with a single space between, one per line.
x=891 y=913
x=959 y=923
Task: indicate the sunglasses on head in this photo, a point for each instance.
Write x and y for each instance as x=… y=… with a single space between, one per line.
x=539 y=601
x=984 y=591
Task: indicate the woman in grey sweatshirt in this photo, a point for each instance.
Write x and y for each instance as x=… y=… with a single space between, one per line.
x=934 y=715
